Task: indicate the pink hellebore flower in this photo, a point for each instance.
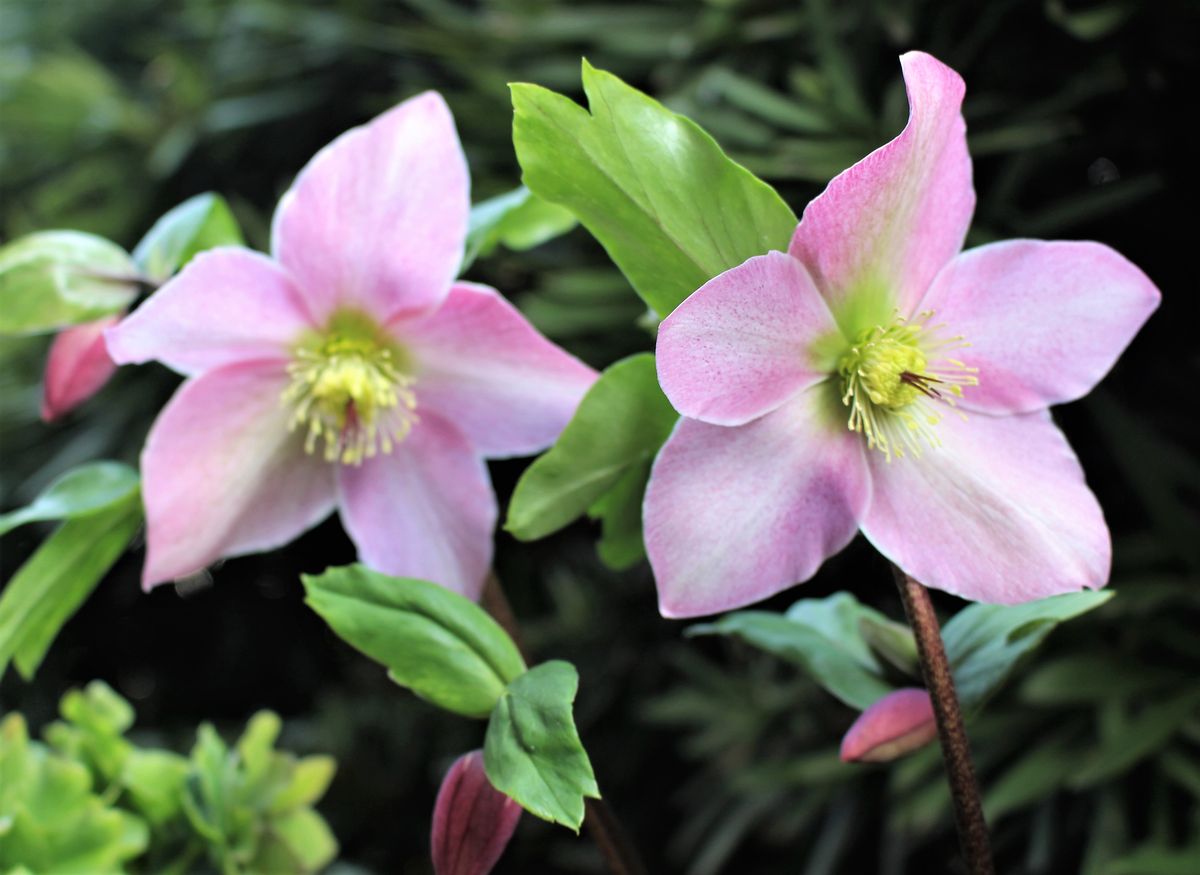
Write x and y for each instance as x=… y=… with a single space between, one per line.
x=876 y=378
x=472 y=821
x=77 y=367
x=348 y=369
x=899 y=723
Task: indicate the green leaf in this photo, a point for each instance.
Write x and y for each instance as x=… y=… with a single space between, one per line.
x=79 y=491
x=199 y=223
x=442 y=646
x=299 y=841
x=984 y=643
x=668 y=205
x=621 y=422
x=821 y=636
x=620 y=512
x=518 y=220
x=1133 y=741
x=532 y=752
x=48 y=589
x=53 y=279
x=1156 y=861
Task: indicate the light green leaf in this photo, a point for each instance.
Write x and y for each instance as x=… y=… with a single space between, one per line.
x=79 y=491
x=299 y=841
x=670 y=207
x=53 y=279
x=984 y=643
x=620 y=425
x=48 y=589
x=199 y=223
x=442 y=646
x=532 y=752
x=518 y=220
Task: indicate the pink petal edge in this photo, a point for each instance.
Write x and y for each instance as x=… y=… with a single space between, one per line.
x=77 y=367
x=472 y=821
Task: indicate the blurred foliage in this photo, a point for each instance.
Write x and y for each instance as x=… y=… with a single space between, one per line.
x=720 y=758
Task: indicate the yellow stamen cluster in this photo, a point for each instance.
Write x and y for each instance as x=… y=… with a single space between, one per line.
x=350 y=394
x=893 y=379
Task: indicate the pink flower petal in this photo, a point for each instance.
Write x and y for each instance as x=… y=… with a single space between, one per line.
x=227 y=305
x=736 y=514
x=737 y=347
x=377 y=220
x=472 y=821
x=899 y=723
x=77 y=367
x=880 y=232
x=426 y=510
x=483 y=367
x=223 y=476
x=1046 y=321
x=999 y=513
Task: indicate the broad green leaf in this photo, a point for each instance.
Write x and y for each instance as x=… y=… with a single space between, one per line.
x=532 y=752
x=668 y=205
x=53 y=279
x=518 y=220
x=79 y=491
x=984 y=643
x=621 y=422
x=620 y=513
x=48 y=589
x=199 y=223
x=821 y=636
x=442 y=646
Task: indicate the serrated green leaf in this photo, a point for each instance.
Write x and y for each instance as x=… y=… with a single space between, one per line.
x=53 y=279
x=621 y=422
x=442 y=646
x=308 y=781
x=518 y=220
x=668 y=205
x=532 y=752
x=79 y=491
x=199 y=223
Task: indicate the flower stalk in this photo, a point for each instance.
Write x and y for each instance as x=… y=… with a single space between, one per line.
x=956 y=751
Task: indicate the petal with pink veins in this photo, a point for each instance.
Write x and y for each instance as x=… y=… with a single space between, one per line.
x=736 y=514
x=742 y=344
x=881 y=230
x=377 y=220
x=77 y=366
x=999 y=513
x=425 y=510
x=482 y=366
x=227 y=305
x=1045 y=321
x=899 y=723
x=223 y=476
x=472 y=821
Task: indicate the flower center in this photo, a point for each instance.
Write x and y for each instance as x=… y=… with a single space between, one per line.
x=894 y=379
x=350 y=394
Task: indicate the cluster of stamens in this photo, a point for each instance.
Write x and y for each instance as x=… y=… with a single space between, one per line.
x=895 y=379
x=350 y=395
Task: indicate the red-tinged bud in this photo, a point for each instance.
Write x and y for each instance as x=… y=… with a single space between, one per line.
x=77 y=367
x=472 y=821
x=897 y=724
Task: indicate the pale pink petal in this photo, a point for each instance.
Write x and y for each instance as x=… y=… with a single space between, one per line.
x=1045 y=321
x=223 y=476
x=426 y=510
x=377 y=220
x=880 y=232
x=227 y=305
x=743 y=343
x=480 y=365
x=472 y=821
x=899 y=723
x=77 y=366
x=736 y=514
x=1000 y=513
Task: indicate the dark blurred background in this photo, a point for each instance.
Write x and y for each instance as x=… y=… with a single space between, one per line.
x=719 y=758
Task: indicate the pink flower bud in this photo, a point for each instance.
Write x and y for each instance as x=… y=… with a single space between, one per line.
x=897 y=724
x=472 y=821
x=78 y=365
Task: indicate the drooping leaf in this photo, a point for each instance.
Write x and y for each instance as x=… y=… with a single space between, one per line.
x=621 y=422
x=670 y=207
x=532 y=752
x=199 y=223
x=79 y=491
x=53 y=279
x=518 y=220
x=442 y=646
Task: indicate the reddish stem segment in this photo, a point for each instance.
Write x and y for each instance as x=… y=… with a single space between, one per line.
x=602 y=824
x=956 y=752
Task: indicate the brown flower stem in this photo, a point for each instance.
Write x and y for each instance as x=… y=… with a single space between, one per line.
x=956 y=752
x=602 y=824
